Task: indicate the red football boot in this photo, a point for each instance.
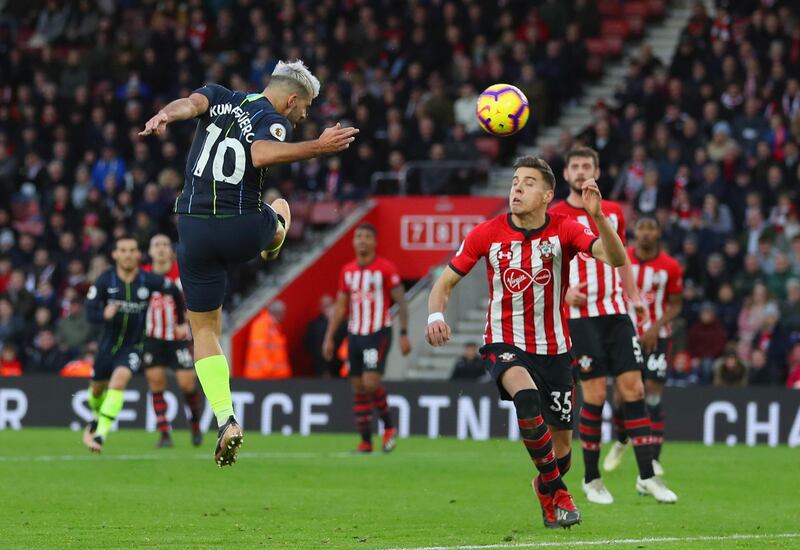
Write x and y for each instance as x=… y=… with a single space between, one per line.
x=548 y=507
x=389 y=440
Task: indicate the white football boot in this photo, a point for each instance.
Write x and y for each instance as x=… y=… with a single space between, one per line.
x=656 y=488
x=596 y=492
x=614 y=456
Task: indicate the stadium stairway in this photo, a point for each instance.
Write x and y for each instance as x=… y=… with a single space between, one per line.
x=662 y=37
x=466 y=314
x=468 y=319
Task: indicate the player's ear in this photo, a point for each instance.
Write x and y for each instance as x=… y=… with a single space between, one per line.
x=291 y=101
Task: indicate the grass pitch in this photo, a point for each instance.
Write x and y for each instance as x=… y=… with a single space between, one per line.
x=295 y=492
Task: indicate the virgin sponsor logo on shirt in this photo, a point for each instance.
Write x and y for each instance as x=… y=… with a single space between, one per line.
x=516 y=280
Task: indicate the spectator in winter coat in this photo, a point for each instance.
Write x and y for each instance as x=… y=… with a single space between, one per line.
x=706 y=341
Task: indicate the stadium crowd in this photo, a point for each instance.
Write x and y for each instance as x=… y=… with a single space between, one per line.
x=709 y=143
x=81 y=77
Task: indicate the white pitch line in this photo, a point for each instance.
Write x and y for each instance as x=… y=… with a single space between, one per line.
x=569 y=543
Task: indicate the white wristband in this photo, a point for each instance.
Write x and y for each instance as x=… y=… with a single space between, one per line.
x=435 y=316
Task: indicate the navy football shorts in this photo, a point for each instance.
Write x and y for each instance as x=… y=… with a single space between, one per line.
x=208 y=246
x=106 y=361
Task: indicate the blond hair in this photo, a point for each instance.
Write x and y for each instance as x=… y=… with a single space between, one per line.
x=296 y=74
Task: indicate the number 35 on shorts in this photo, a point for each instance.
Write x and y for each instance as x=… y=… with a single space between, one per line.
x=561 y=402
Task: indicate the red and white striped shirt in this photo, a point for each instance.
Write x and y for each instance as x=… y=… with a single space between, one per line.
x=369 y=288
x=603 y=283
x=162 y=314
x=656 y=279
x=528 y=273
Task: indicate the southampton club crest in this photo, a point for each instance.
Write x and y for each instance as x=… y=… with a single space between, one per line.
x=585 y=363
x=507 y=357
x=546 y=250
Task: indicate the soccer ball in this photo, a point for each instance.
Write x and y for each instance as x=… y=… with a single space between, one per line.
x=502 y=110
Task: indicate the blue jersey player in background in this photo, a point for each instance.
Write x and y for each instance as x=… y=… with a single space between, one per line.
x=119 y=299
x=221 y=218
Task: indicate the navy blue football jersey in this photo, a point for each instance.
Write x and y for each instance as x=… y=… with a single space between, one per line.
x=127 y=327
x=220 y=178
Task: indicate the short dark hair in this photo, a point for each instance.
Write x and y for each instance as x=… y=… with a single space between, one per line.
x=538 y=164
x=126 y=237
x=647 y=219
x=367 y=227
x=582 y=151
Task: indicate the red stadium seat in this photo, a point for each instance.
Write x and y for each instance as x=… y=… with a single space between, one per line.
x=597 y=47
x=297 y=230
x=325 y=212
x=300 y=209
x=348 y=207
x=615 y=27
x=657 y=8
x=614 y=46
x=488 y=147
x=637 y=26
x=594 y=66
x=636 y=9
x=609 y=8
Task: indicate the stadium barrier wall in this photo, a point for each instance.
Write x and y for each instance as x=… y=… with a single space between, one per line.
x=712 y=415
x=416 y=233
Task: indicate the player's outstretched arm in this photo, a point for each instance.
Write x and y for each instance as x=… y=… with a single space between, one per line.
x=332 y=140
x=180 y=109
x=437 y=332
x=339 y=313
x=608 y=248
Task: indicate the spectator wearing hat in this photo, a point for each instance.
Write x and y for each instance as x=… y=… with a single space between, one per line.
x=721 y=142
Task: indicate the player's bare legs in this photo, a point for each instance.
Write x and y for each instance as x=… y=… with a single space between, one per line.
x=558 y=508
x=590 y=423
x=212 y=370
x=281 y=207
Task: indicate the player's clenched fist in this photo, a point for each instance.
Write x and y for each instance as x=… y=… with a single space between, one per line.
x=336 y=138
x=592 y=199
x=437 y=333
